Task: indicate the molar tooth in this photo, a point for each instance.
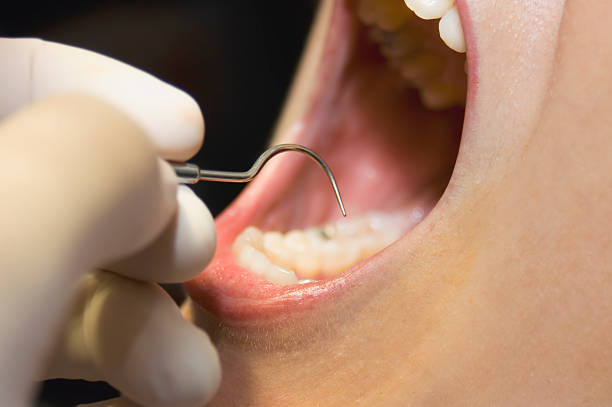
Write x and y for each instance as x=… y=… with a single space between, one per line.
x=256 y=261
x=275 y=248
x=329 y=231
x=429 y=9
x=368 y=245
x=451 y=31
x=349 y=251
x=386 y=14
x=441 y=95
x=304 y=261
x=378 y=221
x=296 y=241
x=252 y=259
x=307 y=264
x=351 y=227
x=331 y=263
x=279 y=275
x=250 y=236
x=421 y=68
x=324 y=250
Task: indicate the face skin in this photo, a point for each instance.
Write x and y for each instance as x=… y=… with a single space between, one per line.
x=501 y=296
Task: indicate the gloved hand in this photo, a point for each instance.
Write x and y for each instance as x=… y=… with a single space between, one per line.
x=84 y=190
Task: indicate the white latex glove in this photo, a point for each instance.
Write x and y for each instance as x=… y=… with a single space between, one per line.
x=83 y=187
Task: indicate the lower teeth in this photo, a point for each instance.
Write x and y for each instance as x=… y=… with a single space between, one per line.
x=300 y=256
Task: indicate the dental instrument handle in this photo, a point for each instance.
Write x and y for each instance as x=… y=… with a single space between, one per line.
x=192 y=174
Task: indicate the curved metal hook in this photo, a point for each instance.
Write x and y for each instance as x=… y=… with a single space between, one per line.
x=191 y=174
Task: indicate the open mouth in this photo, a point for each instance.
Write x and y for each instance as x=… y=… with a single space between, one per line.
x=381 y=98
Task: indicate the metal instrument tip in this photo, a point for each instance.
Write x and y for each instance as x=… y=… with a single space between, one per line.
x=190 y=173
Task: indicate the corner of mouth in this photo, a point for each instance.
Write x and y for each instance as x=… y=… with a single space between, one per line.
x=390 y=154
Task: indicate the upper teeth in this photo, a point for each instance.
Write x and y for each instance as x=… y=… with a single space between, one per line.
x=326 y=250
x=429 y=9
x=405 y=40
x=450 y=24
x=451 y=31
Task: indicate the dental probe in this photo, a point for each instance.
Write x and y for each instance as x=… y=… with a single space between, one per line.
x=192 y=174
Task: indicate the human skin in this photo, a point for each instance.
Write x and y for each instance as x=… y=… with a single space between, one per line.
x=501 y=296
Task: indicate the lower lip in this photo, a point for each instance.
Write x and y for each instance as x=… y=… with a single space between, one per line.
x=237 y=295
x=471 y=54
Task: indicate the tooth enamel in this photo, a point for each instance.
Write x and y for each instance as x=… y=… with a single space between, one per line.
x=278 y=275
x=307 y=265
x=331 y=262
x=319 y=251
x=296 y=241
x=349 y=255
x=451 y=31
x=274 y=246
x=250 y=236
x=307 y=259
x=386 y=14
x=412 y=48
x=421 y=68
x=429 y=9
x=441 y=95
x=256 y=261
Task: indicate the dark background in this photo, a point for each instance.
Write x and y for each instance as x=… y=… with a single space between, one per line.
x=235 y=57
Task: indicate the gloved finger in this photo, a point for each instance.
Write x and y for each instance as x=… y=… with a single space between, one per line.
x=182 y=251
x=131 y=334
x=63 y=210
x=33 y=69
x=116 y=402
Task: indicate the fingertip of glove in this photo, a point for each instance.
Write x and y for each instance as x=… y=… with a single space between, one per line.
x=200 y=371
x=170 y=117
x=181 y=251
x=177 y=128
x=190 y=375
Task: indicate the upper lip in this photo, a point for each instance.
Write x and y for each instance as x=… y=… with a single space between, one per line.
x=235 y=295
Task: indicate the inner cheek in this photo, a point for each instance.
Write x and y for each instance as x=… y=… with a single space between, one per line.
x=386 y=150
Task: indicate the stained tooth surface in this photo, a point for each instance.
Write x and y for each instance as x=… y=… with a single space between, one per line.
x=319 y=252
x=443 y=94
x=386 y=14
x=451 y=31
x=413 y=48
x=429 y=9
